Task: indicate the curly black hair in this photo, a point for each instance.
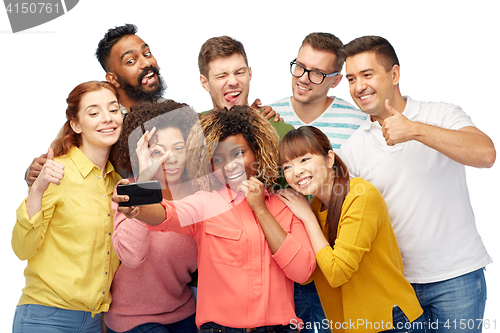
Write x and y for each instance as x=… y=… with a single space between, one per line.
x=143 y=117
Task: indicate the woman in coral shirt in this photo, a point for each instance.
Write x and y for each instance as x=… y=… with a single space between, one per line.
x=251 y=248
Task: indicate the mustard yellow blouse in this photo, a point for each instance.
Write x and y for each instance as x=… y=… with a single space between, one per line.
x=361 y=278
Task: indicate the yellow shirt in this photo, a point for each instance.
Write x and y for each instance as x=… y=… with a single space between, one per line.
x=71 y=262
x=361 y=278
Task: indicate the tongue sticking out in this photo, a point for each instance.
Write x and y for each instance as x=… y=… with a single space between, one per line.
x=145 y=80
x=231 y=97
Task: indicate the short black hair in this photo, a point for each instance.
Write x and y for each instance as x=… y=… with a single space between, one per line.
x=110 y=39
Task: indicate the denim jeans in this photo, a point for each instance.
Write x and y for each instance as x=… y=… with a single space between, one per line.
x=454 y=305
x=34 y=318
x=403 y=325
x=308 y=308
x=216 y=328
x=187 y=325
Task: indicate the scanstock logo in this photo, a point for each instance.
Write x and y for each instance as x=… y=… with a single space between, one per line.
x=25 y=14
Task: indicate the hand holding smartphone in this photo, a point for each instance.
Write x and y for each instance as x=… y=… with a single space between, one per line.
x=141 y=193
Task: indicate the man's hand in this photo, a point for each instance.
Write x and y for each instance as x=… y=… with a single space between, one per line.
x=397 y=128
x=35 y=169
x=266 y=111
x=51 y=172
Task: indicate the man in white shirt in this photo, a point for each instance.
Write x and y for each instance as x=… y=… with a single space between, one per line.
x=415 y=154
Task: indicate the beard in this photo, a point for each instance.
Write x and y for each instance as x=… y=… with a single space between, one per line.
x=137 y=94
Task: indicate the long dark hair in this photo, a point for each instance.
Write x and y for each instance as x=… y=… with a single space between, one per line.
x=307 y=139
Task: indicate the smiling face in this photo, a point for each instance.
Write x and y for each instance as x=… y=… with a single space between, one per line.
x=311 y=174
x=169 y=140
x=99 y=120
x=228 y=81
x=370 y=84
x=134 y=69
x=234 y=161
x=306 y=92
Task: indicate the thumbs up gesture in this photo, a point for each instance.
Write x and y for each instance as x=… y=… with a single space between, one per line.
x=396 y=128
x=52 y=172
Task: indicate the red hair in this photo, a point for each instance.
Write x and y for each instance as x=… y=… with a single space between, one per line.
x=67 y=138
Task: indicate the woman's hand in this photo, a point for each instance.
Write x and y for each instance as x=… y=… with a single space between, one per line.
x=147 y=165
x=255 y=192
x=297 y=203
x=129 y=212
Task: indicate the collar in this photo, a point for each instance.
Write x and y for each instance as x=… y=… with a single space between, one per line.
x=412 y=108
x=84 y=165
x=232 y=196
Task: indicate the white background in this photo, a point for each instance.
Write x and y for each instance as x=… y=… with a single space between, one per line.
x=448 y=52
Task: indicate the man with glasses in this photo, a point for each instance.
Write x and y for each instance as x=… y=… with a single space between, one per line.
x=314 y=72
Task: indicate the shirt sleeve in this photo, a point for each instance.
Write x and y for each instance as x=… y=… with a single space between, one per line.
x=359 y=224
x=28 y=234
x=455 y=118
x=296 y=256
x=183 y=216
x=131 y=239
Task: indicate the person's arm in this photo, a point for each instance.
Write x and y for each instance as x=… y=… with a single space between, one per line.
x=255 y=192
x=358 y=229
x=467 y=145
x=131 y=239
x=180 y=216
x=291 y=251
x=35 y=213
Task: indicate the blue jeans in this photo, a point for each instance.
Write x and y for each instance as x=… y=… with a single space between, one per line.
x=46 y=319
x=187 y=325
x=454 y=305
x=308 y=308
x=403 y=325
x=216 y=328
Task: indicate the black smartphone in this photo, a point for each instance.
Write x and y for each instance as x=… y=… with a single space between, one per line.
x=141 y=193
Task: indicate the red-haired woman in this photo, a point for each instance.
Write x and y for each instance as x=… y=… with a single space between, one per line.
x=64 y=226
x=360 y=277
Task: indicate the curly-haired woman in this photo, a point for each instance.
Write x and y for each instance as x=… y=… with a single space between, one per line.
x=251 y=247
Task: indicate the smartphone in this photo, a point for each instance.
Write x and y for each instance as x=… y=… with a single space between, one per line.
x=141 y=193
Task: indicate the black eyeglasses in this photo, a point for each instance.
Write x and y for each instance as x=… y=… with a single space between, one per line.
x=315 y=77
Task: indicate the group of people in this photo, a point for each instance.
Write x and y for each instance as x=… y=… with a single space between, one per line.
x=308 y=214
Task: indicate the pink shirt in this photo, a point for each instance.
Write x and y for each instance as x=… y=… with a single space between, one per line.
x=241 y=283
x=151 y=282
